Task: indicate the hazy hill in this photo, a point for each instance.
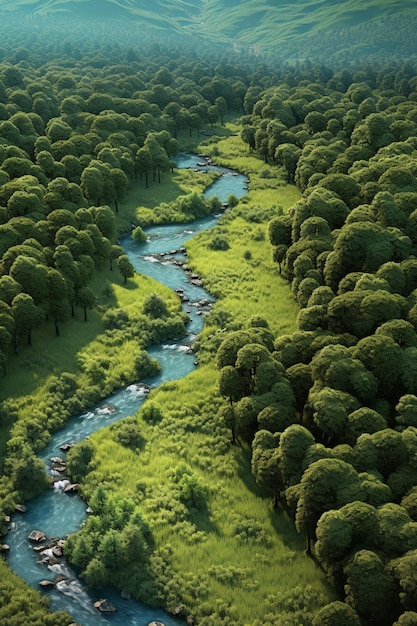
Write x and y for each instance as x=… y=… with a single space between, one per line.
x=290 y=29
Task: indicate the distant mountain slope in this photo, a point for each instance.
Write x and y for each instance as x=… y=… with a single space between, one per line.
x=287 y=28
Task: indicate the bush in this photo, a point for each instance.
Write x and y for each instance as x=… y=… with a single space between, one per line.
x=116 y=319
x=219 y=243
x=79 y=460
x=145 y=366
x=139 y=235
x=151 y=413
x=155 y=307
x=127 y=434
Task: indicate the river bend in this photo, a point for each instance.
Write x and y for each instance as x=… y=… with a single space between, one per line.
x=56 y=513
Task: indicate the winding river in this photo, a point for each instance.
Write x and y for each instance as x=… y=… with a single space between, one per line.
x=56 y=513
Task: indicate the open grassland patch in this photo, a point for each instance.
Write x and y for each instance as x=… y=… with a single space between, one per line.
x=244 y=277
x=51 y=356
x=197 y=491
x=141 y=202
x=267 y=184
x=241 y=272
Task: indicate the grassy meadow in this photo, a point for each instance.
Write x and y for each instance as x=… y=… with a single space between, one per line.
x=234 y=549
x=239 y=549
x=234 y=555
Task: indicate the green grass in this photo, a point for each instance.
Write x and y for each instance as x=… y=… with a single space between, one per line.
x=49 y=355
x=206 y=546
x=244 y=278
x=140 y=202
x=245 y=287
x=24 y=602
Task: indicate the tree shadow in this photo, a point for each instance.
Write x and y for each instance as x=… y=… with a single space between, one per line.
x=281 y=521
x=201 y=520
x=243 y=458
x=284 y=526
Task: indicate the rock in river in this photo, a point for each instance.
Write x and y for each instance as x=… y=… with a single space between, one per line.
x=37 y=536
x=104 y=606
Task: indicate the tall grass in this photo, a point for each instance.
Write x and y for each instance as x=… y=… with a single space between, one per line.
x=244 y=278
x=241 y=550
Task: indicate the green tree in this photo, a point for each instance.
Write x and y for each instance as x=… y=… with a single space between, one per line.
x=155 y=306
x=32 y=276
x=92 y=184
x=326 y=484
x=294 y=443
x=80 y=462
x=26 y=315
x=221 y=105
x=406 y=411
x=212 y=115
x=58 y=301
x=125 y=267
x=370 y=591
x=335 y=614
x=265 y=463
x=403 y=571
x=331 y=409
x=86 y=299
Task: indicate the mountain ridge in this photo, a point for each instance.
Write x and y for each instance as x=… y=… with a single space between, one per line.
x=265 y=25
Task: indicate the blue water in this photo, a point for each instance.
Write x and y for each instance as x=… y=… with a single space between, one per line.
x=58 y=514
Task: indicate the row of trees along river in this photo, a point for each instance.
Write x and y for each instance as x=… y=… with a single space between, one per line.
x=330 y=410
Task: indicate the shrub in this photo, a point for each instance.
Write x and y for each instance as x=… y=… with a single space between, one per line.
x=139 y=235
x=79 y=460
x=116 y=319
x=219 y=243
x=151 y=413
x=155 y=306
x=127 y=434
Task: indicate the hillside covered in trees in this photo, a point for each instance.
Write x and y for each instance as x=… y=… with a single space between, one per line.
x=327 y=413
x=324 y=30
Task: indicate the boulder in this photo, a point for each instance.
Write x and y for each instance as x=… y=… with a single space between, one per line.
x=61 y=469
x=20 y=508
x=4 y=548
x=155 y=623
x=65 y=447
x=104 y=606
x=46 y=584
x=107 y=409
x=37 y=536
x=39 y=549
x=58 y=460
x=57 y=551
x=71 y=488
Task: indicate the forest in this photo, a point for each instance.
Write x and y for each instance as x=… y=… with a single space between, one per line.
x=277 y=484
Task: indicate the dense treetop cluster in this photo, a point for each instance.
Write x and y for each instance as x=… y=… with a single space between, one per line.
x=72 y=141
x=330 y=411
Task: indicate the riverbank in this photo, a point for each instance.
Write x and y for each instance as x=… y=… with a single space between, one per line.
x=205 y=556
x=235 y=560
